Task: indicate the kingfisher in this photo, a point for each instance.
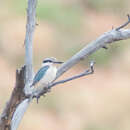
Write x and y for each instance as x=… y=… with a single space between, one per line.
x=47 y=73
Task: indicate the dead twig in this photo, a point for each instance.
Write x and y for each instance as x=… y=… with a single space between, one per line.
x=125 y=24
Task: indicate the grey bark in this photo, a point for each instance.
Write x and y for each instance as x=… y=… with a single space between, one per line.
x=18 y=104
x=30 y=27
x=103 y=40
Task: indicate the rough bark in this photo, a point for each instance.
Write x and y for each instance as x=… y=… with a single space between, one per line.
x=16 y=98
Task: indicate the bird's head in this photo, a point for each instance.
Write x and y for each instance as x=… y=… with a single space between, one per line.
x=50 y=61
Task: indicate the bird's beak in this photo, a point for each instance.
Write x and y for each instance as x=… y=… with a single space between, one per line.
x=58 y=62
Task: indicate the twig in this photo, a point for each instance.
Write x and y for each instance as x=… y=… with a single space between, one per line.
x=87 y=72
x=125 y=24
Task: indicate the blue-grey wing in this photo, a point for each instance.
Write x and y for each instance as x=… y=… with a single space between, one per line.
x=40 y=74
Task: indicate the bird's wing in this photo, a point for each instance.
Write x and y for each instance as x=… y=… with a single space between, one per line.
x=40 y=74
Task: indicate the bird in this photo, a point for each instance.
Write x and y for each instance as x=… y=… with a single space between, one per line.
x=47 y=73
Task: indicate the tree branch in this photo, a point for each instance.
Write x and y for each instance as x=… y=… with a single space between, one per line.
x=125 y=24
x=17 y=105
x=105 y=39
x=30 y=27
x=85 y=73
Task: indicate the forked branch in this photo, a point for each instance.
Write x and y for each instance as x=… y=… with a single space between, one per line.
x=116 y=34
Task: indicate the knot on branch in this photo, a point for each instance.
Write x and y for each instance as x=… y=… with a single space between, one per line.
x=20 y=78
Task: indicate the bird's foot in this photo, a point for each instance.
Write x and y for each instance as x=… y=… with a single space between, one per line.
x=37 y=99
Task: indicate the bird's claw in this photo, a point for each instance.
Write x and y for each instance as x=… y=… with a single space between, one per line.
x=37 y=98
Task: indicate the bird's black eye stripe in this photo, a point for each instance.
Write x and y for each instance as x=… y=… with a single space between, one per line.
x=45 y=61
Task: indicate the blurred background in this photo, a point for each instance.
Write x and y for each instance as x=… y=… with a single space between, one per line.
x=97 y=102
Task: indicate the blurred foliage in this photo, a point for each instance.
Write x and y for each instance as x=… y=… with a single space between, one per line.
x=67 y=21
x=54 y=12
x=106 y=5
x=103 y=56
x=93 y=127
x=59 y=14
x=50 y=103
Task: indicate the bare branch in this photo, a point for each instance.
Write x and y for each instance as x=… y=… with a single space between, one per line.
x=17 y=104
x=19 y=112
x=125 y=24
x=87 y=72
x=30 y=27
x=102 y=41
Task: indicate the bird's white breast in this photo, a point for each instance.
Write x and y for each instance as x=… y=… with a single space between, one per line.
x=49 y=75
